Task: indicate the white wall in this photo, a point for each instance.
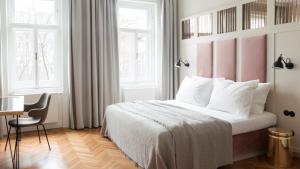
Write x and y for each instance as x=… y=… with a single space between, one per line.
x=287 y=91
x=191 y=7
x=281 y=39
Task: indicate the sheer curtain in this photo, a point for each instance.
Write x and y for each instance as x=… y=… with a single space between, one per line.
x=170 y=77
x=94 y=64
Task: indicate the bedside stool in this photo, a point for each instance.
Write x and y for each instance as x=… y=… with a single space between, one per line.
x=280 y=151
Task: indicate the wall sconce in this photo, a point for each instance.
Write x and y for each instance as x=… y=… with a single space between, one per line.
x=185 y=63
x=280 y=63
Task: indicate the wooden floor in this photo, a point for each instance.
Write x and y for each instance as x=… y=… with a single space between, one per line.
x=86 y=149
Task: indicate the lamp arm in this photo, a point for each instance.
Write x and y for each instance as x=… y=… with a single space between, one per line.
x=184 y=62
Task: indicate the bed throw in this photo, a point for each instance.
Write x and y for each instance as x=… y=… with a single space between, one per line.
x=158 y=135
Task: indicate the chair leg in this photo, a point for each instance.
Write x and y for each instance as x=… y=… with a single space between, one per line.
x=20 y=134
x=37 y=128
x=7 y=140
x=17 y=139
x=46 y=136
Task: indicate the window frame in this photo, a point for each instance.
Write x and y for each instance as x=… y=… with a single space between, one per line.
x=8 y=25
x=151 y=7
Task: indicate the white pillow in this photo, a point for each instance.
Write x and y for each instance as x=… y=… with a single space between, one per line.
x=195 y=90
x=260 y=97
x=233 y=97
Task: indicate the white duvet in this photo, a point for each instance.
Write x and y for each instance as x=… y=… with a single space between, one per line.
x=239 y=125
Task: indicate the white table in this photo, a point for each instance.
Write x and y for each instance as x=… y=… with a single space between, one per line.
x=13 y=106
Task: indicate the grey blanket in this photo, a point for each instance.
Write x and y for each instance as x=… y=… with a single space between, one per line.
x=157 y=135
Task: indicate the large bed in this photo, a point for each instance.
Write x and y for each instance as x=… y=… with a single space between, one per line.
x=145 y=140
x=213 y=122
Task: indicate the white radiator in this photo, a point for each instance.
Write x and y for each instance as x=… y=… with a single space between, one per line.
x=141 y=94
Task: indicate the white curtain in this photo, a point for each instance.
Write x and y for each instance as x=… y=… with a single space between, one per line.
x=1 y=118
x=94 y=64
x=169 y=49
x=1 y=75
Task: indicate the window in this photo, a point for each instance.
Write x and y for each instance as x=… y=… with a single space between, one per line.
x=34 y=44
x=137 y=43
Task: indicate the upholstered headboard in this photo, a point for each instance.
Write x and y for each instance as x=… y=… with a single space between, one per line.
x=225 y=59
x=254 y=58
x=205 y=59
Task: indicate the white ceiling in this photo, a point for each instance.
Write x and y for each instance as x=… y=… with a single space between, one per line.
x=190 y=7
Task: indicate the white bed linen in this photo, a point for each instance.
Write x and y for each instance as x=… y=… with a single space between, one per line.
x=239 y=125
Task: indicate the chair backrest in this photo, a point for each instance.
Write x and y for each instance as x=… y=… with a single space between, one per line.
x=41 y=109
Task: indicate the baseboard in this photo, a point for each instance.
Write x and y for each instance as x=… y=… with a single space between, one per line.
x=249 y=155
x=255 y=154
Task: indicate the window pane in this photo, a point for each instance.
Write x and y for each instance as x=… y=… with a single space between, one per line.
x=137 y=44
x=133 y=18
x=34 y=12
x=143 y=58
x=23 y=11
x=46 y=12
x=22 y=61
x=127 y=56
x=34 y=53
x=47 y=57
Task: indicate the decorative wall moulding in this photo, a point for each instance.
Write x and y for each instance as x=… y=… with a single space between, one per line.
x=189 y=28
x=226 y=20
x=255 y=14
x=185 y=28
x=287 y=11
x=205 y=25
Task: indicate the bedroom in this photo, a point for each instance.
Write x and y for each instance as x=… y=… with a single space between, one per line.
x=119 y=82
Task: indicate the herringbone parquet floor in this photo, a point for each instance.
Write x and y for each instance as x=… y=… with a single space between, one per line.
x=85 y=149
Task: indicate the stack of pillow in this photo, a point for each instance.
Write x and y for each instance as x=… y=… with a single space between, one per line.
x=238 y=98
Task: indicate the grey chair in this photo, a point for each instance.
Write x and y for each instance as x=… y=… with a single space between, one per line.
x=37 y=114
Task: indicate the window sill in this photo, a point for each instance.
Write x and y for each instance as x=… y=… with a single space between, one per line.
x=39 y=91
x=139 y=86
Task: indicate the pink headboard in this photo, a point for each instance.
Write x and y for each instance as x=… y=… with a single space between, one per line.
x=226 y=59
x=254 y=58
x=205 y=59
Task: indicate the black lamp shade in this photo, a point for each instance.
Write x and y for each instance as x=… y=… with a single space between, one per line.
x=278 y=64
x=289 y=64
x=178 y=64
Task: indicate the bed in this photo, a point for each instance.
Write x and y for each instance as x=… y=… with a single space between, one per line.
x=139 y=138
x=195 y=134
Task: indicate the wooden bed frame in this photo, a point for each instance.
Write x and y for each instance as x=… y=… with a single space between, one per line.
x=250 y=144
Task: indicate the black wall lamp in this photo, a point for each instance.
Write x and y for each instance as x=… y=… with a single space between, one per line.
x=280 y=63
x=180 y=61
